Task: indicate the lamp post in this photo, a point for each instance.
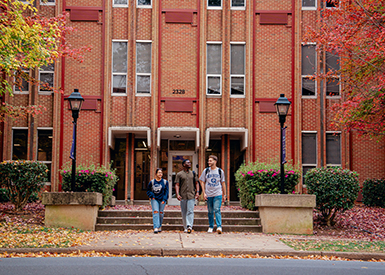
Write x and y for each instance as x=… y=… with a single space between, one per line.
x=75 y=100
x=282 y=105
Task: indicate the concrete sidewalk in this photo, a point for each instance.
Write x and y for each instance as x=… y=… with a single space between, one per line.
x=175 y=243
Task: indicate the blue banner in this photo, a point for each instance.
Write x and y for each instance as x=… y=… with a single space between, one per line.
x=72 y=153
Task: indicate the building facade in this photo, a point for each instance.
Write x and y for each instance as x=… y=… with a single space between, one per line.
x=172 y=79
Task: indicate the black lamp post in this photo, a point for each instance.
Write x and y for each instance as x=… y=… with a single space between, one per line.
x=282 y=105
x=75 y=100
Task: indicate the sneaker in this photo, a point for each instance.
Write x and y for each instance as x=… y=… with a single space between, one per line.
x=210 y=230
x=189 y=229
x=160 y=229
x=185 y=231
x=156 y=230
x=219 y=230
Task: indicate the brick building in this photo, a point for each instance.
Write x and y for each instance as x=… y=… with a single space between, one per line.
x=174 y=79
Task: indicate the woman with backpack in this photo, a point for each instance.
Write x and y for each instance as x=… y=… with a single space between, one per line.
x=157 y=191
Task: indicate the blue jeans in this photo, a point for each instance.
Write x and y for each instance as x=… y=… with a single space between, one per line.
x=187 y=208
x=157 y=212
x=214 y=206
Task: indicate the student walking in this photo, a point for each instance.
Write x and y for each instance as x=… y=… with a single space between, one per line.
x=214 y=191
x=187 y=190
x=157 y=191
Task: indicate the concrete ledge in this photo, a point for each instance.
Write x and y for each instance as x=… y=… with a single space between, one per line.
x=72 y=209
x=286 y=213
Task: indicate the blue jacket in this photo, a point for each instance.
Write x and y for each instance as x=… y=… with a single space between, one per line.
x=158 y=190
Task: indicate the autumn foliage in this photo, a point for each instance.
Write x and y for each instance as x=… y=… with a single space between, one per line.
x=355 y=30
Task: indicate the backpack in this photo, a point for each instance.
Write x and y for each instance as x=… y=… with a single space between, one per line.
x=219 y=170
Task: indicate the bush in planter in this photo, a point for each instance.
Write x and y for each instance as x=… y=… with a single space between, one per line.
x=22 y=179
x=263 y=178
x=91 y=179
x=336 y=189
x=373 y=192
x=4 y=195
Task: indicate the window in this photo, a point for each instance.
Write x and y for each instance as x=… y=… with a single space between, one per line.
x=143 y=67
x=309 y=151
x=333 y=65
x=214 y=69
x=214 y=4
x=309 y=4
x=23 y=88
x=237 y=69
x=143 y=3
x=44 y=148
x=47 y=2
x=46 y=77
x=331 y=3
x=333 y=149
x=120 y=3
x=119 y=67
x=309 y=67
x=238 y=4
x=19 y=143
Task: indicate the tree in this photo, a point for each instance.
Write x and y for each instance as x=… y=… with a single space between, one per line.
x=29 y=41
x=355 y=30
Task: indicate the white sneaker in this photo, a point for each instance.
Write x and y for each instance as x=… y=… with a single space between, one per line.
x=219 y=230
x=156 y=230
x=185 y=231
x=210 y=230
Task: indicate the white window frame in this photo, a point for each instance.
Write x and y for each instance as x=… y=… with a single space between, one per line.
x=310 y=8
x=237 y=7
x=214 y=8
x=143 y=74
x=112 y=73
x=309 y=76
x=239 y=75
x=37 y=150
x=17 y=128
x=119 y=5
x=316 y=151
x=42 y=3
x=53 y=81
x=16 y=90
x=339 y=87
x=326 y=151
x=143 y=6
x=214 y=75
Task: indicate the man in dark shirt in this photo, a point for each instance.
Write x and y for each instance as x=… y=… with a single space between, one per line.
x=187 y=190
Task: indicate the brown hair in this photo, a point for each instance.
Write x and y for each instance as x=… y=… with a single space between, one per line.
x=213 y=157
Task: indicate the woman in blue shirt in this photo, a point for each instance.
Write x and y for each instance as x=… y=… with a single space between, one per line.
x=157 y=191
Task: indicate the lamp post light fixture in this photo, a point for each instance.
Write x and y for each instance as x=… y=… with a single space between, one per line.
x=76 y=101
x=282 y=105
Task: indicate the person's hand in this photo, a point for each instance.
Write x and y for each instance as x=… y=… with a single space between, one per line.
x=205 y=196
x=197 y=195
x=162 y=202
x=179 y=197
x=224 y=198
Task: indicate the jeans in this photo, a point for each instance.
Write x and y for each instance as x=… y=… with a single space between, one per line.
x=157 y=212
x=187 y=208
x=214 y=206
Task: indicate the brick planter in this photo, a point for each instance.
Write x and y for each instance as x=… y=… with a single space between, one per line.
x=286 y=213
x=72 y=209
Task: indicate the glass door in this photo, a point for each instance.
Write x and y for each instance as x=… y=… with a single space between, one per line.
x=175 y=166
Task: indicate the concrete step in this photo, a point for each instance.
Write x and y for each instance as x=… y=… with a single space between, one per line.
x=168 y=227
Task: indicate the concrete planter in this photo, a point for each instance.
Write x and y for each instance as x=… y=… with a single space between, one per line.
x=72 y=209
x=286 y=213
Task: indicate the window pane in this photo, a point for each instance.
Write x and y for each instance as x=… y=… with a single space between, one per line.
x=308 y=60
x=119 y=57
x=144 y=2
x=48 y=68
x=238 y=3
x=333 y=87
x=143 y=57
x=308 y=87
x=119 y=84
x=332 y=61
x=49 y=165
x=214 y=59
x=48 y=79
x=309 y=148
x=237 y=85
x=331 y=3
x=213 y=86
x=333 y=149
x=143 y=84
x=44 y=145
x=214 y=3
x=308 y=3
x=120 y=2
x=19 y=148
x=237 y=59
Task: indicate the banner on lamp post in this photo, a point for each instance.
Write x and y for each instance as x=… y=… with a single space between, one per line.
x=284 y=145
x=72 y=153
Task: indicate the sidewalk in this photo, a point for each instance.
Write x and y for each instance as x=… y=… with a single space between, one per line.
x=175 y=243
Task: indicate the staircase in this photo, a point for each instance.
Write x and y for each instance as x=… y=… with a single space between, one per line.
x=232 y=221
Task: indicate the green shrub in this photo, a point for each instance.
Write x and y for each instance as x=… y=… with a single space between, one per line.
x=336 y=189
x=4 y=195
x=22 y=179
x=91 y=179
x=373 y=192
x=263 y=178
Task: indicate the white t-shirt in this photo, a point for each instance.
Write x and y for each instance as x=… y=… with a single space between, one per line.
x=213 y=181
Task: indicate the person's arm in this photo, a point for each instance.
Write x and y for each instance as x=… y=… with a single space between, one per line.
x=177 y=180
x=165 y=194
x=196 y=188
x=224 y=197
x=203 y=190
x=150 y=194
